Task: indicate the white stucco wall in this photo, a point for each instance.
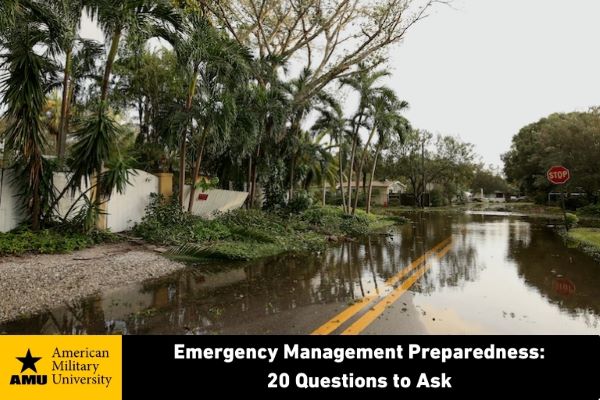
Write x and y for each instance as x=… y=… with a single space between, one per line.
x=10 y=205
x=216 y=201
x=125 y=210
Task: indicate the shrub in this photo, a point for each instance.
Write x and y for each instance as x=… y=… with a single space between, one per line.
x=47 y=242
x=437 y=198
x=166 y=223
x=575 y=203
x=572 y=220
x=300 y=203
x=356 y=225
x=592 y=210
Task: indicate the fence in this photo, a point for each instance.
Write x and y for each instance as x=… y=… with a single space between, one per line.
x=124 y=210
x=11 y=213
x=208 y=203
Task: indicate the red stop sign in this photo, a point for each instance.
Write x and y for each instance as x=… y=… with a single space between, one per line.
x=558 y=175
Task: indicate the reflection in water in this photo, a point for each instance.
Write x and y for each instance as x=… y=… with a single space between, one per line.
x=503 y=275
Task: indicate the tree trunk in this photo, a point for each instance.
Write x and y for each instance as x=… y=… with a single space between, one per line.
x=341 y=172
x=61 y=143
x=253 y=178
x=355 y=135
x=360 y=167
x=368 y=209
x=183 y=143
x=324 y=192
x=351 y=171
x=36 y=206
x=197 y=169
x=292 y=177
x=182 y=151
x=112 y=54
x=249 y=181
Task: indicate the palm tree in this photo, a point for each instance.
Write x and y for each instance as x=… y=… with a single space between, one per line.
x=382 y=105
x=331 y=121
x=146 y=18
x=64 y=20
x=388 y=122
x=315 y=160
x=214 y=66
x=189 y=47
x=28 y=78
x=117 y=18
x=8 y=13
x=363 y=82
x=270 y=106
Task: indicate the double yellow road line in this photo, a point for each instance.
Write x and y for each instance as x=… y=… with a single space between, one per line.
x=386 y=301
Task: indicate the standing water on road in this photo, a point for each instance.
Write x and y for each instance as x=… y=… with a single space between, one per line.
x=496 y=275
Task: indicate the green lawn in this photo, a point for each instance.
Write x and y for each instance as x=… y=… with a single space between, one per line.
x=588 y=236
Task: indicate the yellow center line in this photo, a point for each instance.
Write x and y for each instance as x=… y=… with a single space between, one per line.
x=404 y=272
x=349 y=312
x=342 y=317
x=367 y=319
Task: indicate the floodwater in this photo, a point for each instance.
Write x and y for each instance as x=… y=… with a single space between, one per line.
x=496 y=274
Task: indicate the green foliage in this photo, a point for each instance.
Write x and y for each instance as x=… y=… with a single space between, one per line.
x=572 y=140
x=166 y=223
x=333 y=221
x=592 y=210
x=437 y=198
x=48 y=241
x=489 y=181
x=424 y=159
x=23 y=88
x=275 y=185
x=300 y=203
x=587 y=239
x=572 y=220
x=247 y=234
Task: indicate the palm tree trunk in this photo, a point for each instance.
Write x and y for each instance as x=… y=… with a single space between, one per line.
x=36 y=206
x=368 y=209
x=61 y=144
x=352 y=156
x=360 y=167
x=351 y=170
x=182 y=150
x=292 y=177
x=324 y=193
x=197 y=169
x=249 y=184
x=341 y=172
x=254 y=178
x=112 y=54
x=183 y=144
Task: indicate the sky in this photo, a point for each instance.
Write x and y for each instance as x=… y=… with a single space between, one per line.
x=483 y=69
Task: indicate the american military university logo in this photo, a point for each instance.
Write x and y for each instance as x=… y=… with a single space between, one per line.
x=28 y=365
x=60 y=367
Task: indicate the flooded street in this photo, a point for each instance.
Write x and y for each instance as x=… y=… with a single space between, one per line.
x=441 y=274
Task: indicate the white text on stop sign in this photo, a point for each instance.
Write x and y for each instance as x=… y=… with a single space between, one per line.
x=558 y=174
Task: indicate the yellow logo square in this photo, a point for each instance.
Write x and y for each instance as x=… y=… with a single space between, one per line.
x=60 y=367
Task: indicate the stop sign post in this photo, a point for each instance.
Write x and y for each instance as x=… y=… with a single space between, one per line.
x=559 y=175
